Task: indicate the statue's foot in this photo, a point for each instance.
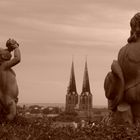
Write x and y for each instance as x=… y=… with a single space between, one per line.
x=124 y=112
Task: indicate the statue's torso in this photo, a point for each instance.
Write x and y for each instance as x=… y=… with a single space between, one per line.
x=8 y=83
x=129 y=60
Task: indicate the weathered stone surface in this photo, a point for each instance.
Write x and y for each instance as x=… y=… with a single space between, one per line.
x=8 y=83
x=122 y=84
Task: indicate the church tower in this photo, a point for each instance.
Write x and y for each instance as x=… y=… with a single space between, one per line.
x=72 y=95
x=86 y=96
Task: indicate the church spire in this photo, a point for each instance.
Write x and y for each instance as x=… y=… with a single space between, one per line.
x=72 y=83
x=86 y=85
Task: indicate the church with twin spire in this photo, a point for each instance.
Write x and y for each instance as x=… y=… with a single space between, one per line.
x=74 y=101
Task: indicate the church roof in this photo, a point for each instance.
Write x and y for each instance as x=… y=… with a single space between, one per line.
x=86 y=85
x=72 y=83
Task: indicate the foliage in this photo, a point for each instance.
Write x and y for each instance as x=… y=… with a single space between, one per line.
x=42 y=128
x=67 y=117
x=51 y=110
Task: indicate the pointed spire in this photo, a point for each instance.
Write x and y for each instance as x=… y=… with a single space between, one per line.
x=86 y=85
x=72 y=83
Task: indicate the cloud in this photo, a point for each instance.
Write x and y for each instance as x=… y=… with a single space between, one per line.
x=51 y=31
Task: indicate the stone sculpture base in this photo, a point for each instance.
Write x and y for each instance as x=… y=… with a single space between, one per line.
x=125 y=114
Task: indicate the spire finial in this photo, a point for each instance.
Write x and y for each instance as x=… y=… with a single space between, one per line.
x=86 y=57
x=72 y=57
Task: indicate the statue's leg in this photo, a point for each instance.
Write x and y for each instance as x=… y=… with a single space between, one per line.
x=125 y=112
x=132 y=95
x=11 y=108
x=2 y=105
x=11 y=100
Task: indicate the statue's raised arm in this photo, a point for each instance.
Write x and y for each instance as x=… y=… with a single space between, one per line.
x=12 y=45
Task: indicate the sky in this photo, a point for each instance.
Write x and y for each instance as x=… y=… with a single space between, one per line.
x=52 y=32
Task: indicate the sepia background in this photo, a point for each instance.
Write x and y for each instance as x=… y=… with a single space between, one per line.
x=51 y=32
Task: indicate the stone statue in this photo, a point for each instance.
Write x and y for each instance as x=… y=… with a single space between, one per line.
x=122 y=84
x=8 y=83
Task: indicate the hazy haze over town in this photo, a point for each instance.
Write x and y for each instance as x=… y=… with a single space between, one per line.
x=50 y=32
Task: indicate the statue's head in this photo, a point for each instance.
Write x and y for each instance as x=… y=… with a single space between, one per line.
x=10 y=43
x=5 y=55
x=135 y=28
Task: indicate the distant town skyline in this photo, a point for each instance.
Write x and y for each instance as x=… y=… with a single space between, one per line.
x=50 y=32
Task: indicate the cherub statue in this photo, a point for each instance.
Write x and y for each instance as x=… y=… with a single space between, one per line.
x=8 y=83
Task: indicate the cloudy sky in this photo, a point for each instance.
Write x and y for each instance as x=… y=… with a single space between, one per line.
x=50 y=32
